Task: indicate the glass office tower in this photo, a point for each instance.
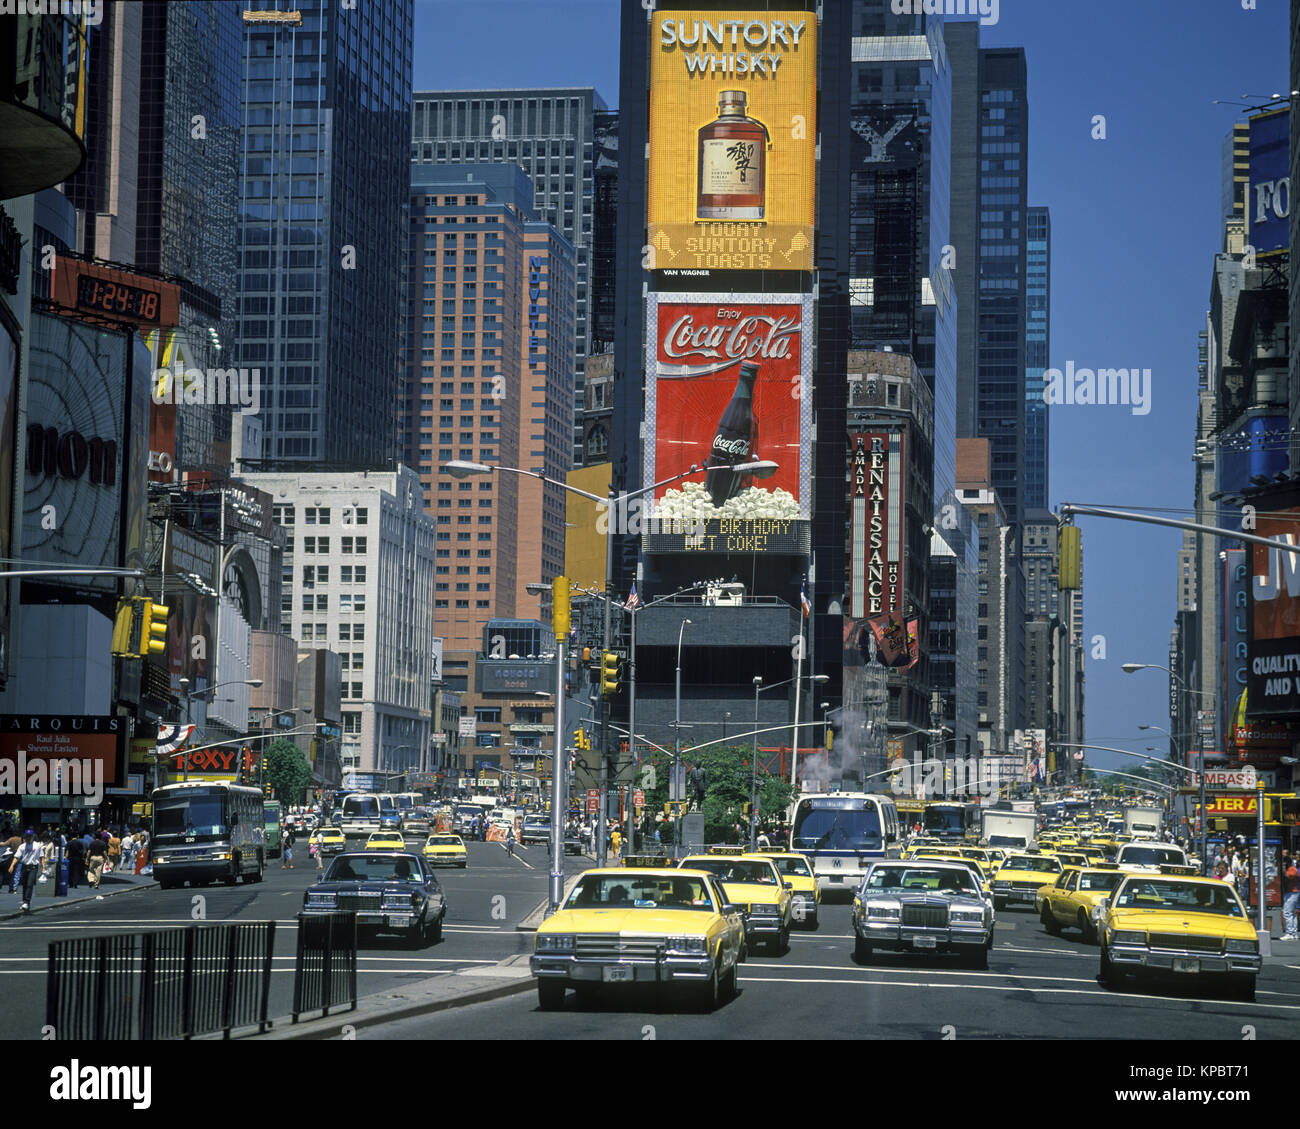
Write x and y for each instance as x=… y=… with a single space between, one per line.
x=1038 y=310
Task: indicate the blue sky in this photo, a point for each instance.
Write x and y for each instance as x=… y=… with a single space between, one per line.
x=1135 y=223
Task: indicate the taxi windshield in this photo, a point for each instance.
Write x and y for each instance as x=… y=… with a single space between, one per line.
x=793 y=866
x=1189 y=897
x=443 y=841
x=945 y=880
x=375 y=868
x=737 y=870
x=628 y=891
x=1100 y=881
x=1152 y=856
x=1033 y=862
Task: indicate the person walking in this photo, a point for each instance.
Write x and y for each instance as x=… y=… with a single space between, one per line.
x=8 y=852
x=29 y=863
x=114 y=853
x=318 y=849
x=616 y=842
x=96 y=853
x=76 y=862
x=128 y=852
x=1290 y=898
x=286 y=842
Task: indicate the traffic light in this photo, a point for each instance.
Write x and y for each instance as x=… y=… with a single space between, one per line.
x=153 y=633
x=581 y=740
x=267 y=789
x=560 y=606
x=830 y=738
x=126 y=630
x=1070 y=566
x=609 y=674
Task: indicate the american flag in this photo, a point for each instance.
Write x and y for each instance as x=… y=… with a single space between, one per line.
x=803 y=599
x=633 y=601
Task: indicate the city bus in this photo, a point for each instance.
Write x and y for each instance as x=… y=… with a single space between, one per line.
x=361 y=812
x=951 y=819
x=841 y=833
x=207 y=830
x=271 y=821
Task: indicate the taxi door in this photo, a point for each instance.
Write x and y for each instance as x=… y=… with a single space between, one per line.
x=1059 y=898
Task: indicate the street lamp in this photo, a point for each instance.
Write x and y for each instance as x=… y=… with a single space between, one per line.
x=1132 y=668
x=190 y=695
x=677 y=734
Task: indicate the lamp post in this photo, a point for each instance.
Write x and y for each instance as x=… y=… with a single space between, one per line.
x=1132 y=668
x=190 y=695
x=614 y=504
x=677 y=732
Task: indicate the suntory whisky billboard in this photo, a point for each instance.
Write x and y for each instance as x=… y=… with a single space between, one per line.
x=729 y=383
x=733 y=103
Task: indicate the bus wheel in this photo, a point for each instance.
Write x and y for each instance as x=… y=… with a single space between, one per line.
x=233 y=877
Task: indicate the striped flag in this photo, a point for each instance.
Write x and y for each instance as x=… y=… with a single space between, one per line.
x=172 y=737
x=633 y=601
x=803 y=599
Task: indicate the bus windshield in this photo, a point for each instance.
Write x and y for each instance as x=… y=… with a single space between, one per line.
x=950 y=820
x=361 y=806
x=178 y=816
x=823 y=828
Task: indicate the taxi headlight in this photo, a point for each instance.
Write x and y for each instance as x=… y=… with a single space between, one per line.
x=1243 y=947
x=688 y=945
x=967 y=916
x=554 y=943
x=891 y=911
x=1128 y=937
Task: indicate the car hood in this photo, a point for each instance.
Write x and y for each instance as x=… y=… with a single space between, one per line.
x=751 y=892
x=639 y=922
x=930 y=898
x=351 y=887
x=1179 y=921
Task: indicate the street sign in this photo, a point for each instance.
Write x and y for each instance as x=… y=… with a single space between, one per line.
x=1205 y=722
x=593 y=801
x=677 y=782
x=1238 y=778
x=638 y=798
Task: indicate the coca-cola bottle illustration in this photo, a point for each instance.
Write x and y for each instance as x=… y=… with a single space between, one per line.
x=734 y=440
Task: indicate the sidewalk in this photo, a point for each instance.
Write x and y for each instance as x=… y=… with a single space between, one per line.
x=116 y=883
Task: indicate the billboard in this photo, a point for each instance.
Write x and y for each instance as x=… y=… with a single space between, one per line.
x=729 y=382
x=733 y=133
x=1268 y=202
x=97 y=742
x=1273 y=678
x=876 y=530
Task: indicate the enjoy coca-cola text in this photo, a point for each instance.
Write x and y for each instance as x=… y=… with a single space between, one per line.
x=753 y=336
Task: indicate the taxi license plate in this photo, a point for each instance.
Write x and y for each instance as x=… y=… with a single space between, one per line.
x=925 y=942
x=1186 y=964
x=837 y=878
x=617 y=973
x=1024 y=896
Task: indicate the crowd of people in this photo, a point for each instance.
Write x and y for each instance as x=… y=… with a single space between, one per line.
x=31 y=859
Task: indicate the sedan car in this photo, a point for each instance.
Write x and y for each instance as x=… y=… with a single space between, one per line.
x=536 y=829
x=667 y=927
x=1073 y=899
x=1188 y=927
x=389 y=891
x=445 y=850
x=755 y=885
x=806 y=894
x=329 y=840
x=922 y=906
x=1021 y=876
x=386 y=841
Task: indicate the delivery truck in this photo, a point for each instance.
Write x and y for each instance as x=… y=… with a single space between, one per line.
x=1143 y=823
x=1016 y=830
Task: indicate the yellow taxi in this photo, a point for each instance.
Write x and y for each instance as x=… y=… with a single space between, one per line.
x=671 y=927
x=1072 y=900
x=329 y=840
x=1186 y=926
x=919 y=843
x=1069 y=858
x=385 y=841
x=753 y=884
x=1021 y=875
x=795 y=869
x=445 y=850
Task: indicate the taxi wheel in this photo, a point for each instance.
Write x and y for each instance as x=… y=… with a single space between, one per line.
x=729 y=984
x=1242 y=985
x=550 y=994
x=1109 y=975
x=1085 y=927
x=1049 y=922
x=709 y=993
x=782 y=943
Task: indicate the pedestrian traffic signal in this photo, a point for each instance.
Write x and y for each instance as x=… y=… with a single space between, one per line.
x=126 y=629
x=1070 y=565
x=153 y=632
x=609 y=674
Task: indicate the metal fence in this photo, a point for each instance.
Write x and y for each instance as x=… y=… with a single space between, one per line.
x=170 y=984
x=325 y=971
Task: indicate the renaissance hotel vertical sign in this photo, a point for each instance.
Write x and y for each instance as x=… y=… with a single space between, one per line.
x=733 y=99
x=875 y=524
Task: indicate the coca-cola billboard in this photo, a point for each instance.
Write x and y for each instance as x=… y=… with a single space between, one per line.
x=729 y=384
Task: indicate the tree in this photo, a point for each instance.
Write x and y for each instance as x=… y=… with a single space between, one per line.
x=287 y=771
x=728 y=770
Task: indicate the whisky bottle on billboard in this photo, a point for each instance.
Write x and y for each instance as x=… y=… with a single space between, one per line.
x=732 y=163
x=733 y=441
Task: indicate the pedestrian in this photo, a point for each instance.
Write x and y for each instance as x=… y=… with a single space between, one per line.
x=8 y=851
x=142 y=849
x=96 y=853
x=616 y=843
x=114 y=853
x=763 y=840
x=128 y=852
x=287 y=841
x=318 y=849
x=1290 y=897
x=76 y=862
x=510 y=841
x=29 y=863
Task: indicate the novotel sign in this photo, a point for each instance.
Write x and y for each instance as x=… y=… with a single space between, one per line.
x=536 y=335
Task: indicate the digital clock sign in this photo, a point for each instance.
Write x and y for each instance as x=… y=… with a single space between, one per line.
x=122 y=296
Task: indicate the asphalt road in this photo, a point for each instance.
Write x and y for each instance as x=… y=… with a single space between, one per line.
x=484 y=901
x=1036 y=987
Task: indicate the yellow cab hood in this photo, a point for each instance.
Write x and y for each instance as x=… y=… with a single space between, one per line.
x=748 y=893
x=639 y=922
x=1181 y=921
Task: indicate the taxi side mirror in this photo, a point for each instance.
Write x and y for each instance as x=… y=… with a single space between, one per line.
x=788 y=885
x=728 y=907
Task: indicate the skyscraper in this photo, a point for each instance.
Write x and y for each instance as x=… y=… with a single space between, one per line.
x=322 y=219
x=551 y=135
x=1038 y=308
